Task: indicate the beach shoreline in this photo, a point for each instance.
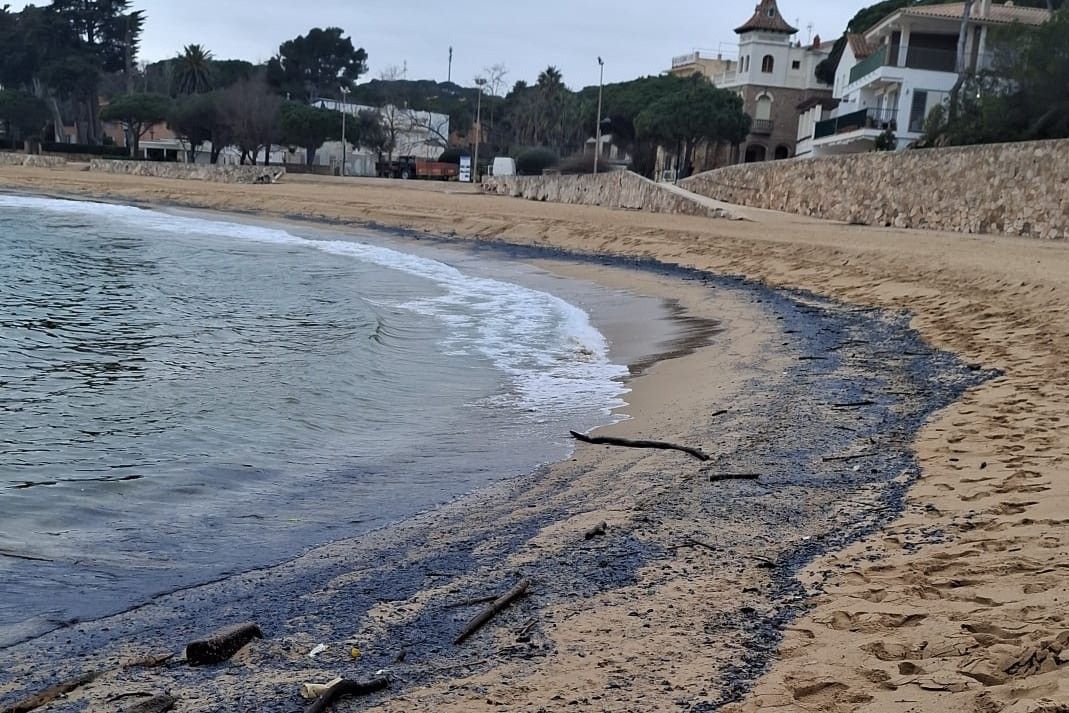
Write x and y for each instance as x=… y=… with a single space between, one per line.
x=816 y=257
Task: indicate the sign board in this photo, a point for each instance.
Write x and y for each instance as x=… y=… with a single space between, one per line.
x=465 y=169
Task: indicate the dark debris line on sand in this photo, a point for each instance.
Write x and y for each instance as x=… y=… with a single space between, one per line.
x=894 y=378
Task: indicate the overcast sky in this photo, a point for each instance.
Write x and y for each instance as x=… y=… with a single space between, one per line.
x=635 y=38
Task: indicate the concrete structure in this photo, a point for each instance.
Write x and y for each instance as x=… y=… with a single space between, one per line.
x=995 y=188
x=890 y=78
x=773 y=75
x=188 y=171
x=698 y=62
x=615 y=189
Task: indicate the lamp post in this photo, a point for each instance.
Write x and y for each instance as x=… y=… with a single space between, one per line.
x=479 y=82
x=597 y=140
x=344 y=111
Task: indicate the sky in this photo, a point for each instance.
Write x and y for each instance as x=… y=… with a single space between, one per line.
x=634 y=38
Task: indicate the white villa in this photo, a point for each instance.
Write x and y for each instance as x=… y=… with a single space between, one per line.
x=890 y=78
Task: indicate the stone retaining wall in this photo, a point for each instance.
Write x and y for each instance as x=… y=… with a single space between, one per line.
x=191 y=171
x=1016 y=189
x=615 y=189
x=21 y=159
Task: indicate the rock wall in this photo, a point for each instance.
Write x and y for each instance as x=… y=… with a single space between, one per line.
x=191 y=171
x=21 y=159
x=1015 y=189
x=615 y=189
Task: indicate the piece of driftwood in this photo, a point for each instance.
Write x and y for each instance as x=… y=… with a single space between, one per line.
x=716 y=477
x=471 y=602
x=150 y=661
x=50 y=694
x=344 y=689
x=597 y=531
x=156 y=704
x=489 y=612
x=628 y=443
x=221 y=645
x=856 y=456
x=855 y=404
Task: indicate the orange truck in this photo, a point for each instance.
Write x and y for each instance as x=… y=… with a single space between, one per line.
x=407 y=167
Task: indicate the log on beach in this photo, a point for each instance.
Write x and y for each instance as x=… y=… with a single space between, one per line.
x=489 y=612
x=48 y=695
x=221 y=645
x=346 y=688
x=628 y=443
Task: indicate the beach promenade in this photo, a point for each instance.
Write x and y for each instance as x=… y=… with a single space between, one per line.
x=956 y=604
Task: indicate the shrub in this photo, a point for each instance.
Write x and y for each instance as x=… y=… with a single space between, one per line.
x=452 y=155
x=886 y=141
x=582 y=164
x=534 y=161
x=86 y=150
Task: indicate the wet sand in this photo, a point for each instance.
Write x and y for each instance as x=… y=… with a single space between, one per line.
x=957 y=604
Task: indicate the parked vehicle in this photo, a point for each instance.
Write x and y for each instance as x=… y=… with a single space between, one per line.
x=409 y=167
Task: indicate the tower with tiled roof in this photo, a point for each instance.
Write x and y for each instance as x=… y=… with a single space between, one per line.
x=767 y=18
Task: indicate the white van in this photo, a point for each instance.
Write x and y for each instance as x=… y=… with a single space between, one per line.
x=504 y=166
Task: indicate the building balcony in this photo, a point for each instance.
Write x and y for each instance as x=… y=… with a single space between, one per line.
x=923 y=58
x=876 y=120
x=761 y=127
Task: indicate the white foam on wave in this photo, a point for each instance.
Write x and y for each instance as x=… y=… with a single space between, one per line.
x=553 y=356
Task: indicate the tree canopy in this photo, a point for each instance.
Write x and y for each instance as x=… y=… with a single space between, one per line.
x=137 y=113
x=315 y=65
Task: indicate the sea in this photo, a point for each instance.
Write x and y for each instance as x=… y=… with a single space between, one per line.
x=184 y=397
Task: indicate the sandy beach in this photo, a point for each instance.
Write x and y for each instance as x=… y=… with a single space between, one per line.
x=955 y=603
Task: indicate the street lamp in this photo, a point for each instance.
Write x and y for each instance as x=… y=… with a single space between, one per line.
x=480 y=82
x=344 y=111
x=597 y=141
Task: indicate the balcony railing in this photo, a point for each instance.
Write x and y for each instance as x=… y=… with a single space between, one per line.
x=936 y=60
x=868 y=65
x=762 y=127
x=878 y=119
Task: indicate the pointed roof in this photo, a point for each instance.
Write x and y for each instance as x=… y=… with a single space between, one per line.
x=767 y=17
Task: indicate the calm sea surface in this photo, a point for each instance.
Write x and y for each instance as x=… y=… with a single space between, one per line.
x=181 y=397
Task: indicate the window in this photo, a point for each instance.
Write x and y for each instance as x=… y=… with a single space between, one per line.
x=796 y=64
x=768 y=64
x=764 y=108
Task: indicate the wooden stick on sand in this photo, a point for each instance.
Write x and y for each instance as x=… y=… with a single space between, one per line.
x=489 y=612
x=628 y=443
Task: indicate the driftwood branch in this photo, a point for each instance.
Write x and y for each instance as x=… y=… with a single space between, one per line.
x=489 y=612
x=50 y=694
x=716 y=477
x=221 y=645
x=628 y=443
x=856 y=456
x=471 y=602
x=345 y=688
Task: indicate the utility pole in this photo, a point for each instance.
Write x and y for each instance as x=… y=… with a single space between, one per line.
x=597 y=140
x=480 y=82
x=450 y=75
x=344 y=141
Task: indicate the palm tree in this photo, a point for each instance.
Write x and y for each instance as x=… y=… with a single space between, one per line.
x=193 y=70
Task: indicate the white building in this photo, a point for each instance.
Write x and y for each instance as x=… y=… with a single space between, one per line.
x=423 y=134
x=890 y=78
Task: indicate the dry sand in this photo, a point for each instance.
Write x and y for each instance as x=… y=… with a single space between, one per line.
x=972 y=619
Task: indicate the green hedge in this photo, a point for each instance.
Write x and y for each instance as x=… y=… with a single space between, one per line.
x=85 y=150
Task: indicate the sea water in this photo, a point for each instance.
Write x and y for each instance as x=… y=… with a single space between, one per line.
x=182 y=398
